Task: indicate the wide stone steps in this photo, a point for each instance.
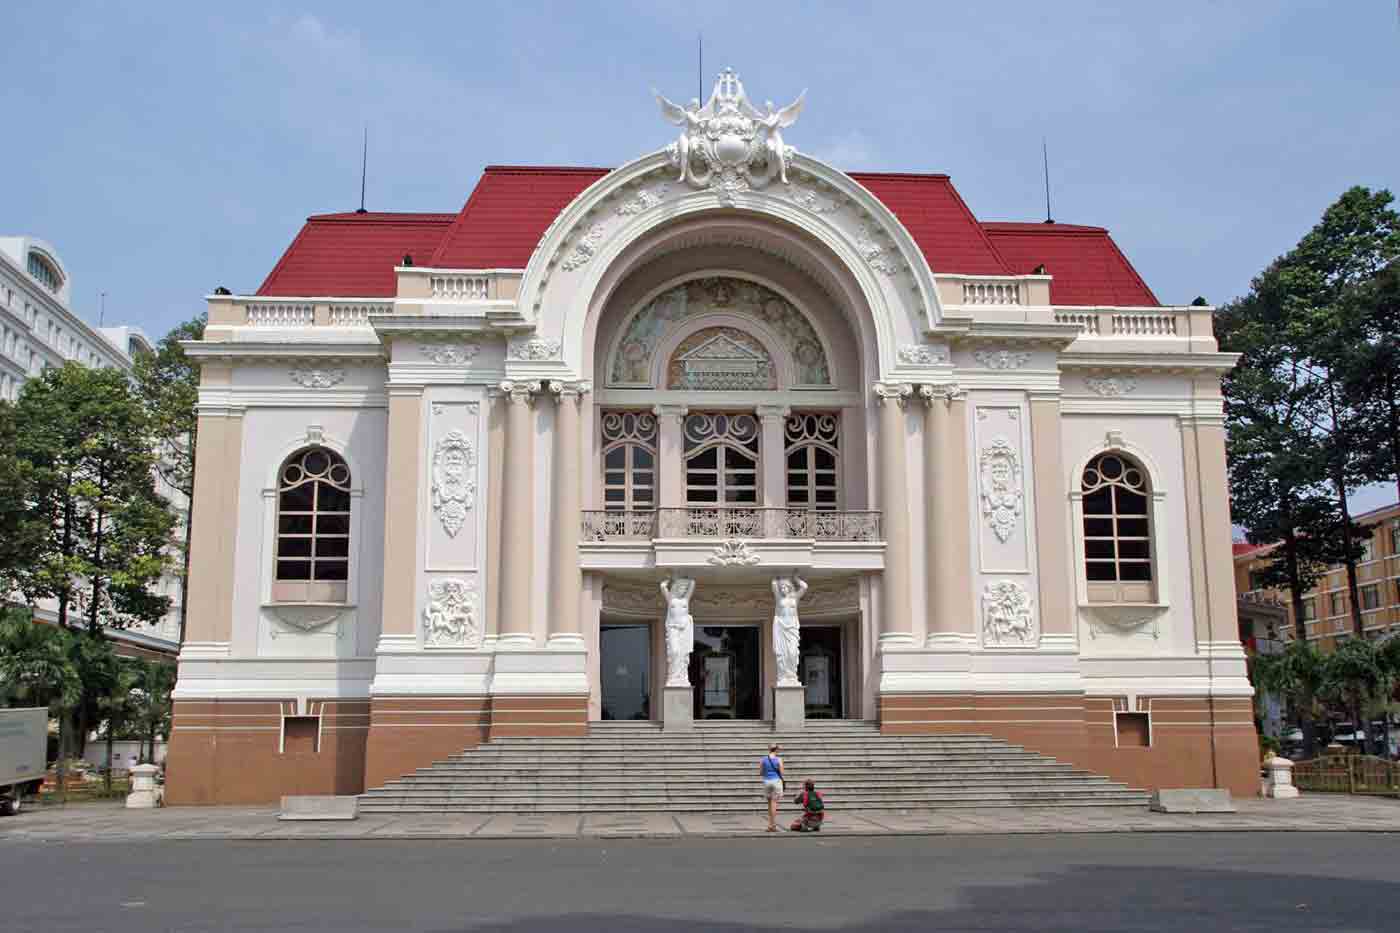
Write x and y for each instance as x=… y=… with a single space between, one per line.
x=637 y=767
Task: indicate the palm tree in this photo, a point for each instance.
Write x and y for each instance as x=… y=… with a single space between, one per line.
x=155 y=682
x=36 y=668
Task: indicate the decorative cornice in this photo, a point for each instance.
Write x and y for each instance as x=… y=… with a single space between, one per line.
x=923 y=354
x=534 y=349
x=575 y=390
x=314 y=377
x=948 y=393
x=897 y=392
x=1002 y=359
x=451 y=352
x=518 y=391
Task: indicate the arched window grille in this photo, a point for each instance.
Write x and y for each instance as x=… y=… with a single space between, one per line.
x=813 y=460
x=629 y=460
x=1118 y=559
x=721 y=459
x=313 y=517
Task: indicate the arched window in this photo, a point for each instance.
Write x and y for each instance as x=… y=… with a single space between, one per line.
x=313 y=526
x=721 y=459
x=45 y=271
x=629 y=460
x=1117 y=529
x=813 y=460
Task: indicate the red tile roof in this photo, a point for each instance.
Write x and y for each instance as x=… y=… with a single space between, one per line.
x=1087 y=266
x=353 y=255
x=939 y=221
x=507 y=213
x=511 y=208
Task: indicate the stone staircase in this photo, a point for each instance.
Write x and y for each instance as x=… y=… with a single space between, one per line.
x=636 y=767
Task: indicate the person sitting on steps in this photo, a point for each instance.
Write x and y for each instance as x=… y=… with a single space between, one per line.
x=813 y=809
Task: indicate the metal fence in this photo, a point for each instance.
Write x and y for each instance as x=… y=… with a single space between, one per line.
x=1349 y=774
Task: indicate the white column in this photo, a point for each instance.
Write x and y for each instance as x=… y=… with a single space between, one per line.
x=670 y=456
x=944 y=481
x=518 y=521
x=564 y=629
x=897 y=625
x=772 y=455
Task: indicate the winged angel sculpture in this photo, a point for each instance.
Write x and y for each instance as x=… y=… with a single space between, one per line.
x=735 y=145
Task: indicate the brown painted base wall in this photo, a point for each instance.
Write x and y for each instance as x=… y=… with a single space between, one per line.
x=231 y=751
x=1081 y=731
x=234 y=751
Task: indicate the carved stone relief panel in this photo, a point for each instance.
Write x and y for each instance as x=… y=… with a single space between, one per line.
x=1001 y=489
x=1008 y=616
x=450 y=617
x=454 y=498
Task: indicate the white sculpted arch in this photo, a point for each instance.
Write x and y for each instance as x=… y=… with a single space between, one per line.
x=837 y=229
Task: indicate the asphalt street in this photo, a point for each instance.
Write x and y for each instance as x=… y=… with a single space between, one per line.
x=1192 y=882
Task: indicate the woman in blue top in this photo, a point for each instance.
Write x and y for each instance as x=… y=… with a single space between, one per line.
x=770 y=769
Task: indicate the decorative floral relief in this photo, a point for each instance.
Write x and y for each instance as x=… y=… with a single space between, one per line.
x=645 y=200
x=733 y=553
x=876 y=255
x=313 y=378
x=1007 y=616
x=585 y=247
x=307 y=618
x=1146 y=625
x=631 y=362
x=535 y=348
x=1110 y=386
x=808 y=199
x=451 y=354
x=1002 y=359
x=923 y=354
x=449 y=619
x=1000 y=485
x=454 y=489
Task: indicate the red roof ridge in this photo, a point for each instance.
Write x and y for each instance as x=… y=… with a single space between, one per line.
x=547 y=169
x=384 y=217
x=1039 y=226
x=912 y=176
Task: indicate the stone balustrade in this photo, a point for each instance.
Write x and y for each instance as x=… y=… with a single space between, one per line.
x=730 y=522
x=985 y=292
x=1122 y=324
x=460 y=287
x=254 y=312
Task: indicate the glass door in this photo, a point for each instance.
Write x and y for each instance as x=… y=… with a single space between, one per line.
x=819 y=651
x=624 y=658
x=725 y=670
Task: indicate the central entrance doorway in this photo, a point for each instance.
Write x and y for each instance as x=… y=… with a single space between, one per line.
x=726 y=671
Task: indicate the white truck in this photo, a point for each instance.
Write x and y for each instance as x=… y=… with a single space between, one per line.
x=24 y=736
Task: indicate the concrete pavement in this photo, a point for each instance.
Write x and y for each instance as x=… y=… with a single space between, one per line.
x=108 y=821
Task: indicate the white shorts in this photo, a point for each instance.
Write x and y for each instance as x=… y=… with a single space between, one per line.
x=772 y=789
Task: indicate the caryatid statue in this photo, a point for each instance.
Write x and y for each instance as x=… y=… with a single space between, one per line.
x=680 y=629
x=787 y=592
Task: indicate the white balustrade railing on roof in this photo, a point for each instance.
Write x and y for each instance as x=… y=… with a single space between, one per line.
x=355 y=314
x=281 y=314
x=1144 y=324
x=461 y=287
x=991 y=293
x=1088 y=321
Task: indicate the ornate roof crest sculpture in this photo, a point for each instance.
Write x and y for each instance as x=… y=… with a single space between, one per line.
x=728 y=144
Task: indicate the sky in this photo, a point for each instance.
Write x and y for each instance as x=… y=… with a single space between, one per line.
x=166 y=149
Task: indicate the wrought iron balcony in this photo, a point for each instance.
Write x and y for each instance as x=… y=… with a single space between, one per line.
x=730 y=522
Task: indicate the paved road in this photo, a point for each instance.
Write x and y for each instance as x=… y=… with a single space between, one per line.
x=1216 y=881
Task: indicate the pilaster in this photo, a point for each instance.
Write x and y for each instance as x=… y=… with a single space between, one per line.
x=773 y=462
x=517 y=539
x=670 y=447
x=565 y=592
x=403 y=469
x=1057 y=610
x=896 y=624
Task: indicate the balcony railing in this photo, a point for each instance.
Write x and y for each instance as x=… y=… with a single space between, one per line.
x=730 y=522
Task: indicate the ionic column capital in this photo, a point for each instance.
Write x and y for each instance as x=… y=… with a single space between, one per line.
x=765 y=412
x=947 y=393
x=670 y=410
x=519 y=391
x=896 y=392
x=575 y=390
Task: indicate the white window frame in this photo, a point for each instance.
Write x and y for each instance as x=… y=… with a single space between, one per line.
x=1157 y=524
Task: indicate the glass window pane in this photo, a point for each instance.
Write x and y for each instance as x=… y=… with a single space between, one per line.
x=1098 y=549
x=826 y=496
x=330 y=499
x=298 y=499
x=1099 y=502
x=616 y=459
x=614 y=495
x=823 y=458
x=696 y=478
x=614 y=478
x=797 y=459
x=331 y=570
x=641 y=477
x=294 y=570
x=1132 y=527
x=642 y=494
x=332 y=547
x=1130 y=503
x=744 y=496
x=316 y=462
x=1100 y=571
x=333 y=524
x=641 y=457
x=294 y=524
x=1131 y=570
x=702 y=496
x=293 y=547
x=1098 y=527
x=706 y=458
x=1137 y=549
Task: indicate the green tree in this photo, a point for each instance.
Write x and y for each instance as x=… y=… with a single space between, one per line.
x=35 y=669
x=168 y=381
x=1297 y=675
x=1353 y=676
x=119 y=705
x=1374 y=376
x=153 y=689
x=82 y=467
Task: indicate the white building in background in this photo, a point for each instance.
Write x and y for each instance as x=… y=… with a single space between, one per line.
x=40 y=329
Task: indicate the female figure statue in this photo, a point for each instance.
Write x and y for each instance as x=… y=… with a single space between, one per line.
x=787 y=591
x=680 y=629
